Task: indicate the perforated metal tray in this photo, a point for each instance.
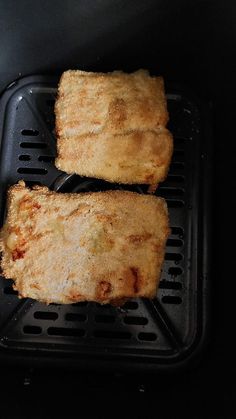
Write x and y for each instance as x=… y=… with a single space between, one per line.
x=160 y=334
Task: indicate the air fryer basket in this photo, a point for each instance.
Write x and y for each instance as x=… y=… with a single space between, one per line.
x=160 y=334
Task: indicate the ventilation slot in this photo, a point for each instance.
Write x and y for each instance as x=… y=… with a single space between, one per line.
x=107 y=334
x=81 y=304
x=170 y=285
x=173 y=256
x=177 y=231
x=147 y=336
x=176 y=167
x=75 y=317
x=31 y=183
x=32 y=171
x=171 y=299
x=46 y=159
x=33 y=145
x=10 y=291
x=63 y=331
x=174 y=203
x=32 y=330
x=170 y=192
x=174 y=243
x=173 y=271
x=175 y=179
x=45 y=315
x=178 y=156
x=104 y=319
x=103 y=306
x=179 y=143
x=24 y=157
x=130 y=305
x=30 y=132
x=135 y=320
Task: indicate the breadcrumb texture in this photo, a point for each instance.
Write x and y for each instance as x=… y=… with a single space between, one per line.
x=66 y=248
x=112 y=126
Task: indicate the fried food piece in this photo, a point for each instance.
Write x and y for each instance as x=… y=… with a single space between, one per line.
x=136 y=157
x=66 y=248
x=112 y=126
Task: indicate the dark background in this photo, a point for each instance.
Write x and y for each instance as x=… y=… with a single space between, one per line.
x=189 y=42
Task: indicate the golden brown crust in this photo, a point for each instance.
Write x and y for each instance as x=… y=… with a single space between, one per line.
x=112 y=126
x=65 y=248
x=136 y=157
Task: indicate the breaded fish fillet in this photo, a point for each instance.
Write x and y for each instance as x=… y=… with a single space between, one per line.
x=65 y=248
x=112 y=126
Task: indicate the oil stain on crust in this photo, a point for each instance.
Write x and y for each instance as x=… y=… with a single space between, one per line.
x=137 y=278
x=104 y=289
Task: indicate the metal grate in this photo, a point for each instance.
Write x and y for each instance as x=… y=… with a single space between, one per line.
x=164 y=329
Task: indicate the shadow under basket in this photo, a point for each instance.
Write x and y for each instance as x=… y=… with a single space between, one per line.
x=166 y=333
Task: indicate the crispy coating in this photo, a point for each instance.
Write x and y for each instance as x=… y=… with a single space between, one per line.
x=112 y=126
x=66 y=248
x=136 y=157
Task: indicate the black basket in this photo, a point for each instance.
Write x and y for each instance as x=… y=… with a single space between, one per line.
x=164 y=333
